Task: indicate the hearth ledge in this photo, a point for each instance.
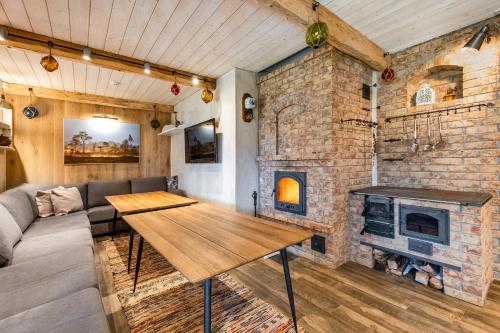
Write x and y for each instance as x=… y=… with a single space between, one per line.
x=307 y=225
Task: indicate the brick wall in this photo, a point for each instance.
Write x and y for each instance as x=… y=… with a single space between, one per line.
x=470 y=159
x=300 y=129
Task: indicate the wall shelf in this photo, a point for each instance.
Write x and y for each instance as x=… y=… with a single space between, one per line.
x=169 y=130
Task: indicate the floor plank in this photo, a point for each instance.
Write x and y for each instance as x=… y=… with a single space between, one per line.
x=352 y=298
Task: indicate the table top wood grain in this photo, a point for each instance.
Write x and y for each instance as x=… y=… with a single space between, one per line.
x=147 y=201
x=203 y=240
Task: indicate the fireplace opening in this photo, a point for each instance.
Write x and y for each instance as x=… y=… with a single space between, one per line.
x=290 y=193
x=423 y=224
x=426 y=223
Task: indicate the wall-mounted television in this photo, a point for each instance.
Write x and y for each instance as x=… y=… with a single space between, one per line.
x=201 y=143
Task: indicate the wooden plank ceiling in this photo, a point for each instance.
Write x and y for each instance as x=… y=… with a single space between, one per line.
x=209 y=37
x=397 y=24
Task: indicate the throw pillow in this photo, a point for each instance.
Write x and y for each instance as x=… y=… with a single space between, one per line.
x=66 y=200
x=173 y=183
x=44 y=203
x=10 y=234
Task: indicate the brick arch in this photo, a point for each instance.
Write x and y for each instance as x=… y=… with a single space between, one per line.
x=431 y=69
x=286 y=133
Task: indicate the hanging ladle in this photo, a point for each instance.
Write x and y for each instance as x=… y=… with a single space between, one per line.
x=440 y=141
x=414 y=146
x=429 y=145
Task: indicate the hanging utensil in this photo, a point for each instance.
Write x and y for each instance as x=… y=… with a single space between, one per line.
x=429 y=144
x=414 y=146
x=440 y=141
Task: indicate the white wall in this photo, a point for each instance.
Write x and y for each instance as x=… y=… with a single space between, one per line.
x=231 y=181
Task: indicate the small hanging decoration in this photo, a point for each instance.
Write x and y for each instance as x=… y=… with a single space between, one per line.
x=425 y=95
x=49 y=63
x=207 y=96
x=388 y=74
x=30 y=111
x=155 y=123
x=175 y=89
x=248 y=104
x=317 y=33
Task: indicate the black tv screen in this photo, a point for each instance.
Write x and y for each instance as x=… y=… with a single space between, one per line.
x=201 y=143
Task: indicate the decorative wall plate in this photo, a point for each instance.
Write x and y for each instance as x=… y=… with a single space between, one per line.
x=425 y=95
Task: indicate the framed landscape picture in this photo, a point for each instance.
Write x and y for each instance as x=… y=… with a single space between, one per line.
x=100 y=140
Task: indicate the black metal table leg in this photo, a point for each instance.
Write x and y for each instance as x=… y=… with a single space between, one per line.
x=207 y=321
x=114 y=225
x=130 y=247
x=138 y=263
x=288 y=281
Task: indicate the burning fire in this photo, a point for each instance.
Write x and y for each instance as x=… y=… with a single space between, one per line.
x=288 y=190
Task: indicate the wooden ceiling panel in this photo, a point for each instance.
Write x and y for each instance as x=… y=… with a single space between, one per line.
x=79 y=19
x=91 y=79
x=16 y=14
x=137 y=23
x=4 y=20
x=58 y=12
x=395 y=25
x=67 y=75
x=100 y=13
x=38 y=15
x=117 y=24
x=80 y=74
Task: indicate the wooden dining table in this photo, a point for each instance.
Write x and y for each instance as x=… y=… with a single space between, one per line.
x=134 y=203
x=203 y=240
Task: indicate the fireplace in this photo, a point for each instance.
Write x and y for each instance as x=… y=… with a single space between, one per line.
x=426 y=223
x=290 y=192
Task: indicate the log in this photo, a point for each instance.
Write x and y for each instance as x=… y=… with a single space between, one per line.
x=398 y=271
x=422 y=277
x=435 y=283
x=429 y=269
x=392 y=262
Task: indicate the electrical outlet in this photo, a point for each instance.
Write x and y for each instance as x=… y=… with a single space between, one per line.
x=318 y=244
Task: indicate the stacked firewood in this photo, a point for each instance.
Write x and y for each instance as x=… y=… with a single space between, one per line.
x=423 y=272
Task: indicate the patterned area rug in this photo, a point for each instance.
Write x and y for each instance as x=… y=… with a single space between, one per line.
x=165 y=301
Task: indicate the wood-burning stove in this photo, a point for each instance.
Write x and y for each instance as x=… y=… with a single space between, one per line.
x=290 y=191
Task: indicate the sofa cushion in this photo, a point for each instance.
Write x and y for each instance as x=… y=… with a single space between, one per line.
x=45 y=279
x=101 y=213
x=149 y=184
x=19 y=206
x=31 y=190
x=10 y=234
x=80 y=312
x=54 y=224
x=98 y=190
x=35 y=247
x=44 y=203
x=66 y=200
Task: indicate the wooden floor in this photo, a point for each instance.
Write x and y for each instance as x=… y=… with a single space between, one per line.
x=351 y=298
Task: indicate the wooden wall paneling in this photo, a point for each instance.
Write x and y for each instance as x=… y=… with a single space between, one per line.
x=39 y=144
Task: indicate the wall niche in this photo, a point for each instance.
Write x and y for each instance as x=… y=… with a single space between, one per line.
x=443 y=79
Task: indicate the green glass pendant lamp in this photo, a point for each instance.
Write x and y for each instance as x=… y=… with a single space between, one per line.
x=317 y=33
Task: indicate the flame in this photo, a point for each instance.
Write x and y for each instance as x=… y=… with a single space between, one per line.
x=289 y=190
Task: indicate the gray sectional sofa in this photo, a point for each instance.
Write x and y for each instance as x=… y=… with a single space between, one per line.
x=48 y=281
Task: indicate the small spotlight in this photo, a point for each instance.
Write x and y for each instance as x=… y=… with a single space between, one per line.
x=475 y=43
x=3 y=33
x=147 y=68
x=86 y=53
x=195 y=80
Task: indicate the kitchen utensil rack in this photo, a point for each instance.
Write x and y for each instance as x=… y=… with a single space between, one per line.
x=359 y=122
x=453 y=109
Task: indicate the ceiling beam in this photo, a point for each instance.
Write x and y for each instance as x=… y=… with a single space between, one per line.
x=20 y=89
x=342 y=36
x=39 y=43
